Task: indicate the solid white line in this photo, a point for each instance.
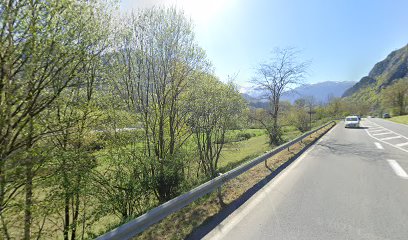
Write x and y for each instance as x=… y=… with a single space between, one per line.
x=373 y=129
x=226 y=226
x=377 y=131
x=397 y=169
x=378 y=145
x=389 y=138
x=378 y=134
x=402 y=144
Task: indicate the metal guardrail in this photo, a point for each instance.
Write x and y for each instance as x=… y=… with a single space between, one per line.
x=138 y=225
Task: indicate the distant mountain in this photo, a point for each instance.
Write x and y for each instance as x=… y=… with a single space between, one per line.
x=383 y=74
x=320 y=91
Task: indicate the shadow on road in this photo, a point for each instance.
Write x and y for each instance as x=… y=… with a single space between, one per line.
x=211 y=223
x=357 y=128
x=353 y=149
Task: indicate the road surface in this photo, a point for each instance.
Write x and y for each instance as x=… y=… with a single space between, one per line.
x=352 y=184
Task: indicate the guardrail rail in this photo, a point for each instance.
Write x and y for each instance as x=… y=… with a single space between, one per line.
x=139 y=224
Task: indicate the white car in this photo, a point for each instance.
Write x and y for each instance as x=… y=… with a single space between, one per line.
x=352 y=121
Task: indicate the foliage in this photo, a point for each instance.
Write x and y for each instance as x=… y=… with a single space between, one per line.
x=102 y=119
x=400 y=119
x=214 y=107
x=395 y=97
x=47 y=49
x=157 y=60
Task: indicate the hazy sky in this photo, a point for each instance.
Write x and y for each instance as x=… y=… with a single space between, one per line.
x=342 y=38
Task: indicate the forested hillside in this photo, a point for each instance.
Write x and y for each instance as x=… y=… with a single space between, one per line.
x=385 y=87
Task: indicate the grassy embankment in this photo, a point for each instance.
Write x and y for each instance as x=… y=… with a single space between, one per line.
x=236 y=153
x=241 y=146
x=181 y=224
x=400 y=119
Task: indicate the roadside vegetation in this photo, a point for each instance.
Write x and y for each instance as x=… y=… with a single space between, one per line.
x=182 y=224
x=400 y=119
x=375 y=101
x=103 y=117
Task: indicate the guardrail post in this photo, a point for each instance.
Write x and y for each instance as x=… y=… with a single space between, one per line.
x=139 y=224
x=219 y=193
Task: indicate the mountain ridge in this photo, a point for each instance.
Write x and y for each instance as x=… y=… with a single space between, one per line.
x=321 y=91
x=383 y=74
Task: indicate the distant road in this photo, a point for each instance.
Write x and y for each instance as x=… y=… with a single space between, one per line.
x=352 y=184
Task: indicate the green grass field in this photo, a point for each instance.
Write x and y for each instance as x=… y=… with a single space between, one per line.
x=400 y=119
x=236 y=153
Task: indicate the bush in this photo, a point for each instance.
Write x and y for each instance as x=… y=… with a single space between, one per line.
x=244 y=136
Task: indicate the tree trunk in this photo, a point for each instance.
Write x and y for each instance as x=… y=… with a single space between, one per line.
x=274 y=134
x=28 y=184
x=6 y=234
x=28 y=200
x=2 y=184
x=75 y=216
x=66 y=206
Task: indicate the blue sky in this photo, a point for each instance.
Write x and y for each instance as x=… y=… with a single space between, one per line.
x=342 y=38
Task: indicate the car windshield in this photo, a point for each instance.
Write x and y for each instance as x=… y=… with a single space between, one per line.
x=351 y=119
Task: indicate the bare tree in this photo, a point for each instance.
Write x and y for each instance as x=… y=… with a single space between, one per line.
x=282 y=73
x=310 y=105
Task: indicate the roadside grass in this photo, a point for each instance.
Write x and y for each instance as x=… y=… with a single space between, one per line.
x=236 y=153
x=400 y=119
x=236 y=134
x=181 y=224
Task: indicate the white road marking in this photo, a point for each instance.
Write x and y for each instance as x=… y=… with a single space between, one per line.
x=402 y=144
x=397 y=169
x=377 y=129
x=378 y=145
x=378 y=134
x=389 y=138
x=399 y=146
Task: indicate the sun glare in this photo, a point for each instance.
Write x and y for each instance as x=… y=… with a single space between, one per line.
x=203 y=11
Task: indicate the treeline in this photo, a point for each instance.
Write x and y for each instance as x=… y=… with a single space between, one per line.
x=394 y=98
x=304 y=114
x=102 y=118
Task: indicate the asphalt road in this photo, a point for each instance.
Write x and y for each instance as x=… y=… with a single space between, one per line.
x=352 y=184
